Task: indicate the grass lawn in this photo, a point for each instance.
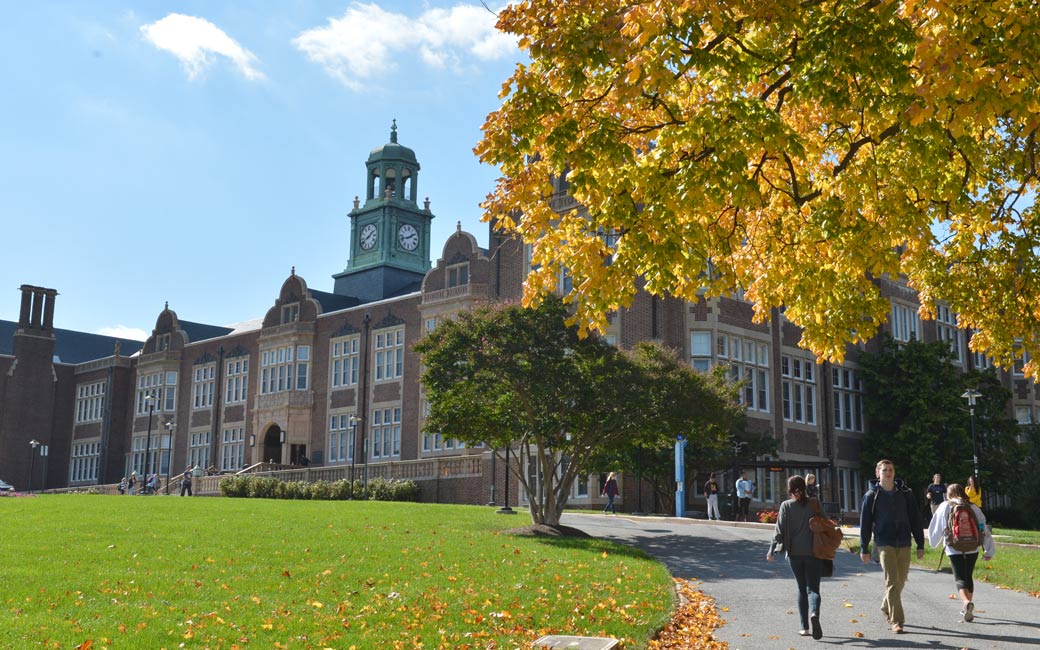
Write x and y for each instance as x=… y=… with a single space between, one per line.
x=1013 y=568
x=167 y=572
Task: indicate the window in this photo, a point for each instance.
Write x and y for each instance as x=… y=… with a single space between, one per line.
x=163 y=386
x=233 y=449
x=341 y=439
x=389 y=354
x=236 y=380
x=798 y=389
x=848 y=399
x=202 y=386
x=290 y=313
x=700 y=351
x=749 y=363
x=458 y=275
x=279 y=372
x=198 y=452
x=90 y=402
x=431 y=324
x=1024 y=414
x=904 y=322
x=345 y=361
x=946 y=326
x=386 y=432
x=1021 y=359
x=84 y=465
x=137 y=455
x=850 y=489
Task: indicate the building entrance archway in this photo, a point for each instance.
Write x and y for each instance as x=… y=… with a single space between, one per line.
x=273 y=445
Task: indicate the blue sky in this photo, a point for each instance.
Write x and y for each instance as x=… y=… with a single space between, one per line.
x=193 y=152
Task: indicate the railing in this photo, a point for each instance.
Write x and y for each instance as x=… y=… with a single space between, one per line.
x=426 y=469
x=472 y=291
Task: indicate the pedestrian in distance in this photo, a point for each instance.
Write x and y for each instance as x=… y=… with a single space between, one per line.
x=812 y=490
x=131 y=483
x=935 y=494
x=890 y=514
x=186 y=481
x=711 y=498
x=745 y=488
x=960 y=526
x=610 y=490
x=973 y=491
x=793 y=536
x=122 y=485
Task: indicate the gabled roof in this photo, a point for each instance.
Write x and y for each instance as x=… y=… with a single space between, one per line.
x=71 y=346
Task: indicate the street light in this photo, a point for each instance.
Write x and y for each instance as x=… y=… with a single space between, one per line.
x=150 y=401
x=33 y=444
x=354 y=419
x=971 y=395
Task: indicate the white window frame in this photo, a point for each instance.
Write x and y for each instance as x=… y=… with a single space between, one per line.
x=346 y=361
x=700 y=350
x=233 y=448
x=947 y=330
x=798 y=389
x=236 y=380
x=847 y=393
x=284 y=368
x=386 y=432
x=90 y=402
x=203 y=378
x=389 y=354
x=198 y=449
x=83 y=465
x=341 y=439
x=904 y=321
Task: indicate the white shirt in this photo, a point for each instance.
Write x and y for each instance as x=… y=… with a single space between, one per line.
x=937 y=529
x=744 y=488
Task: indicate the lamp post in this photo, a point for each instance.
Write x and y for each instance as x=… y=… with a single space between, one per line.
x=169 y=446
x=281 y=444
x=33 y=444
x=354 y=419
x=150 y=401
x=971 y=395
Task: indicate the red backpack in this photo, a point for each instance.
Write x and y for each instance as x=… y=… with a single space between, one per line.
x=962 y=528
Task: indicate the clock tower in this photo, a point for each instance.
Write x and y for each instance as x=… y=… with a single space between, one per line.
x=389 y=232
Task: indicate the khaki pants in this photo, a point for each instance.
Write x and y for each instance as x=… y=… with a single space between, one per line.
x=895 y=562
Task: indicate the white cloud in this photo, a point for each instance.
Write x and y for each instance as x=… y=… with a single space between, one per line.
x=124 y=332
x=196 y=42
x=366 y=40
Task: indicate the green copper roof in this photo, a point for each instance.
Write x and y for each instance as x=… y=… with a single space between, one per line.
x=392 y=150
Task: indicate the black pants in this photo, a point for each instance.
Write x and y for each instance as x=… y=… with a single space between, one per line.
x=744 y=506
x=963 y=567
x=186 y=487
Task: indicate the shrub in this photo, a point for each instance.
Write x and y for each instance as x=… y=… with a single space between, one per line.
x=321 y=490
x=768 y=516
x=340 y=490
x=267 y=487
x=381 y=489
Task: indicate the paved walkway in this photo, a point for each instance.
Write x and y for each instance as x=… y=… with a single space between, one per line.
x=729 y=561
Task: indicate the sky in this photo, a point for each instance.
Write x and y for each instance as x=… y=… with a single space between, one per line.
x=194 y=152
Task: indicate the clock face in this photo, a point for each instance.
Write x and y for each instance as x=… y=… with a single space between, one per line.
x=408 y=237
x=368 y=237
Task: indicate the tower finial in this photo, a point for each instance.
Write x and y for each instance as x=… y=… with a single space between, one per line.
x=292 y=271
x=393 y=131
x=167 y=306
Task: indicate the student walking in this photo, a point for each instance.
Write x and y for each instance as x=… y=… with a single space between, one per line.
x=961 y=527
x=711 y=498
x=610 y=490
x=186 y=481
x=889 y=513
x=936 y=493
x=793 y=536
x=812 y=490
x=973 y=491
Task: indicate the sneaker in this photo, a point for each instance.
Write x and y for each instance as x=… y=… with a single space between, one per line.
x=817 y=631
x=803 y=632
x=969 y=613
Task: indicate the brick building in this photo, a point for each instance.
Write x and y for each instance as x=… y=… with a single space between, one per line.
x=329 y=380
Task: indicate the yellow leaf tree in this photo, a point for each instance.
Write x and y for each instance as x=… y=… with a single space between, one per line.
x=795 y=150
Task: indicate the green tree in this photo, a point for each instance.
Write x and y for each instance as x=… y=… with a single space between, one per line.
x=520 y=377
x=799 y=149
x=917 y=417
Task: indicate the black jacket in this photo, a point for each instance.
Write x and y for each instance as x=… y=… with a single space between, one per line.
x=892 y=517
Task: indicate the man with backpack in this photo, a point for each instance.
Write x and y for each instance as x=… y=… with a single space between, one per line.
x=889 y=513
x=961 y=527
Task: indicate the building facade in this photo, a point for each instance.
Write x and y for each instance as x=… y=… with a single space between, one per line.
x=330 y=381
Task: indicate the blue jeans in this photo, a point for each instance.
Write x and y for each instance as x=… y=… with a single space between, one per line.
x=806 y=570
x=610 y=504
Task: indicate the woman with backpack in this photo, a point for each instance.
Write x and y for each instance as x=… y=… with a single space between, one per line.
x=961 y=527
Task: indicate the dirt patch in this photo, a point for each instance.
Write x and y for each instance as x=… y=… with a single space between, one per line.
x=542 y=530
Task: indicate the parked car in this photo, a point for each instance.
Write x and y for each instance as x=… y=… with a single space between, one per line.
x=5 y=486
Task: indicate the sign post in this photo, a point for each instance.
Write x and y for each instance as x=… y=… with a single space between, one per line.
x=680 y=478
